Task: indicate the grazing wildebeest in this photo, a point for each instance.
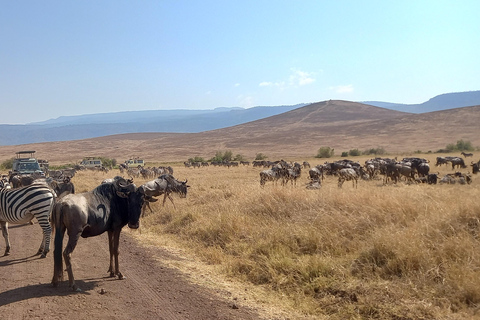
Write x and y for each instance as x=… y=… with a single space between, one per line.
x=316 y=173
x=457 y=162
x=467 y=154
x=165 y=184
x=22 y=205
x=269 y=175
x=441 y=160
x=108 y=207
x=347 y=174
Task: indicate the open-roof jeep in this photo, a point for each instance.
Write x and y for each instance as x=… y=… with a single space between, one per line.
x=26 y=163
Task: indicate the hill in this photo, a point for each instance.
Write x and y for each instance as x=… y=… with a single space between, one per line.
x=103 y=124
x=67 y=128
x=441 y=102
x=296 y=134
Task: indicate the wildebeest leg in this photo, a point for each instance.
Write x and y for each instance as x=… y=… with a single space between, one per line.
x=167 y=194
x=4 y=226
x=67 y=256
x=113 y=243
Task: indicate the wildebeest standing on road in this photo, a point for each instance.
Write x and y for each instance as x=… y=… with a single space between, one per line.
x=109 y=207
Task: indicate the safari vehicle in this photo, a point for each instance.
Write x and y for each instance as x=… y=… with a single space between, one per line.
x=135 y=162
x=26 y=163
x=91 y=162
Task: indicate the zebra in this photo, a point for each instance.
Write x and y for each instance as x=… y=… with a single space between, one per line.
x=21 y=205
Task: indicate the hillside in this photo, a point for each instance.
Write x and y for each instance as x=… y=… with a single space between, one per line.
x=298 y=134
x=441 y=102
x=103 y=124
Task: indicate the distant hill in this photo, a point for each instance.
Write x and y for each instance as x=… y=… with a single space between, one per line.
x=68 y=128
x=103 y=124
x=441 y=102
x=296 y=134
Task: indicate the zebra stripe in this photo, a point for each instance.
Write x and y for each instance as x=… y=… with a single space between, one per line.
x=22 y=205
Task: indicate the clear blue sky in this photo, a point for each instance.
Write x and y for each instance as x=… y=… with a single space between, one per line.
x=61 y=58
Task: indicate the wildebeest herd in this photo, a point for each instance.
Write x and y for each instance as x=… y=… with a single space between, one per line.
x=411 y=170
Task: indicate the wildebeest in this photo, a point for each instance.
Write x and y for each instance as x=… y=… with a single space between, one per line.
x=441 y=160
x=347 y=174
x=108 y=207
x=475 y=167
x=456 y=162
x=164 y=184
x=62 y=188
x=316 y=173
x=467 y=154
x=269 y=175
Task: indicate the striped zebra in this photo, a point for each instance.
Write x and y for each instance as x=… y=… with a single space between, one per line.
x=18 y=206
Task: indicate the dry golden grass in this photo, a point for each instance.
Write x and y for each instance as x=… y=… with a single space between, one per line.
x=376 y=252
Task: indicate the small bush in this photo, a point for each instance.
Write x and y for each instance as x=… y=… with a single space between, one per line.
x=375 y=151
x=225 y=156
x=325 y=152
x=7 y=164
x=260 y=156
x=344 y=154
x=354 y=153
x=196 y=159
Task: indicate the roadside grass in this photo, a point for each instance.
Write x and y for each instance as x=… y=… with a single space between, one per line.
x=393 y=251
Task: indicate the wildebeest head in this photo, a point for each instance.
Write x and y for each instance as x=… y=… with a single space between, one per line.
x=135 y=199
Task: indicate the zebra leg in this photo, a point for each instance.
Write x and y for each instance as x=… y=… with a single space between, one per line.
x=47 y=232
x=4 y=226
x=67 y=256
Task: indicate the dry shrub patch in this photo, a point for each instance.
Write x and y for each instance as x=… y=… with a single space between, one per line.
x=376 y=252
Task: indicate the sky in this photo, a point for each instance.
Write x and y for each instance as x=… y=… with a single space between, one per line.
x=63 y=58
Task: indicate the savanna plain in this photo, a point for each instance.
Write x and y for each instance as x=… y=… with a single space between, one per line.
x=378 y=251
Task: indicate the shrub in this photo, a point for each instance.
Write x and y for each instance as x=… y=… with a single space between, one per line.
x=196 y=159
x=238 y=157
x=325 y=152
x=354 y=153
x=260 y=156
x=7 y=164
x=225 y=156
x=375 y=151
x=344 y=154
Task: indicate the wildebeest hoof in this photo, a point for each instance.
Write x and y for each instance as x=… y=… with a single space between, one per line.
x=121 y=277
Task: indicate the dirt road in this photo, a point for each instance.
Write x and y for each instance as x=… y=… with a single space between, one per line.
x=151 y=290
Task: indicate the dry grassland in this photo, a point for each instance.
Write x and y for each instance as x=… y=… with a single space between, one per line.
x=376 y=252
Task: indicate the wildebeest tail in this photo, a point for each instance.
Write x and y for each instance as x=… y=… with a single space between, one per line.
x=57 y=222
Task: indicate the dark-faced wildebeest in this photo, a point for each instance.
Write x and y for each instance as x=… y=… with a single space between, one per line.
x=108 y=207
x=165 y=184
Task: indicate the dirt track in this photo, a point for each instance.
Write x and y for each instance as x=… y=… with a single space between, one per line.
x=151 y=290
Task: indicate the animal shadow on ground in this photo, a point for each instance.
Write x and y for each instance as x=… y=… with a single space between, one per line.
x=17 y=261
x=42 y=290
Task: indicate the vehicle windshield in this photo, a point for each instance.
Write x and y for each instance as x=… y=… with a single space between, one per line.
x=31 y=166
